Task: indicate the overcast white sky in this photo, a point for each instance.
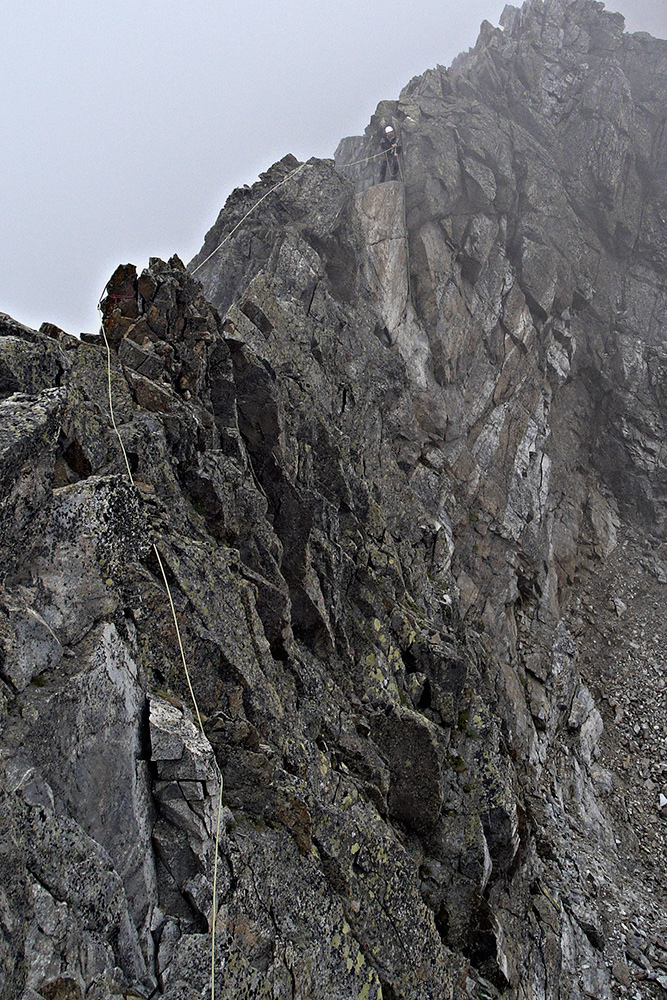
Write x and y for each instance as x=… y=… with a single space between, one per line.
x=126 y=123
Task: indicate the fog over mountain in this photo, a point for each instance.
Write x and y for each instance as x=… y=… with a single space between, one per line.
x=127 y=125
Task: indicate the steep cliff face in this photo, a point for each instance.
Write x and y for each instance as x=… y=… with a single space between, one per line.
x=399 y=449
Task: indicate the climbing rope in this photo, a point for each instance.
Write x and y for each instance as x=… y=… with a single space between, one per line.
x=111 y=409
x=355 y=163
x=185 y=668
x=405 y=226
x=115 y=300
x=215 y=884
x=256 y=205
x=292 y=173
x=383 y=152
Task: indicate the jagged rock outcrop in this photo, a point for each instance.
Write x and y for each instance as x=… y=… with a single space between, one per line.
x=399 y=449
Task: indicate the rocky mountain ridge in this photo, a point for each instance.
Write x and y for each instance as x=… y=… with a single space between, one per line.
x=400 y=449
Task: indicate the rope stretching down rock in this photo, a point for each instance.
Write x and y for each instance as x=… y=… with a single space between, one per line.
x=117 y=298
x=185 y=668
x=292 y=173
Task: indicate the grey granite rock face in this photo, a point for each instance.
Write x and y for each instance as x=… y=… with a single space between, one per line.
x=401 y=454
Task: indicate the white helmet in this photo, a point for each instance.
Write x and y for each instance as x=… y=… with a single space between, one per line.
x=389 y=129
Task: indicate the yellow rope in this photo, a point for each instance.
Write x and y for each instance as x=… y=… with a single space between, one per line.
x=180 y=641
x=215 y=892
x=185 y=668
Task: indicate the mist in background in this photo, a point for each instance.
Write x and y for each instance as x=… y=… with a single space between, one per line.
x=127 y=125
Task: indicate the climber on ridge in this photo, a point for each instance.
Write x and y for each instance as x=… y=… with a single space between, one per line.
x=391 y=147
